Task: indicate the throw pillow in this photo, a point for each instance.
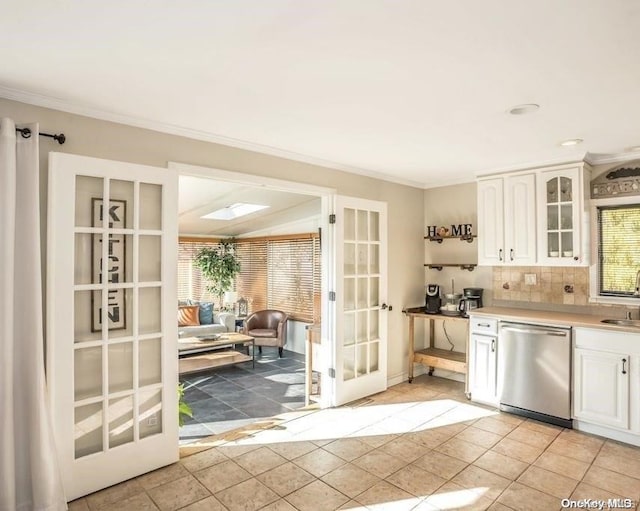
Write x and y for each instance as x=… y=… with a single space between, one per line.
x=188 y=315
x=206 y=313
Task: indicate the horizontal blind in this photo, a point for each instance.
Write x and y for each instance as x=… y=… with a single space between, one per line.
x=191 y=284
x=251 y=282
x=619 y=249
x=280 y=273
x=292 y=267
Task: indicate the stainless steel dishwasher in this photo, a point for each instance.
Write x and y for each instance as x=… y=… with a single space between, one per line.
x=534 y=364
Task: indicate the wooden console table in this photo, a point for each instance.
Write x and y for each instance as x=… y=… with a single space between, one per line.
x=435 y=357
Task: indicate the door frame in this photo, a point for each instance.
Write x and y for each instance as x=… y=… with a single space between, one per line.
x=328 y=199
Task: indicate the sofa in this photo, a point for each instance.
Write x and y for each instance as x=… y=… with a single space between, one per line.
x=198 y=319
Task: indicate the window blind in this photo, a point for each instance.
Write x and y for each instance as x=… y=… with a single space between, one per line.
x=619 y=249
x=275 y=273
x=191 y=284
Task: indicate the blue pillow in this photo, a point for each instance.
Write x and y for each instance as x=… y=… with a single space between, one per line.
x=206 y=313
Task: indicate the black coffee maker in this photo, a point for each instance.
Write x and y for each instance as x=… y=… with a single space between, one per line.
x=432 y=299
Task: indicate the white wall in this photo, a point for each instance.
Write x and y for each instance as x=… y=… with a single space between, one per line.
x=101 y=139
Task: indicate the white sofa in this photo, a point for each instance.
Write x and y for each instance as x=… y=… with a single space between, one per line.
x=222 y=322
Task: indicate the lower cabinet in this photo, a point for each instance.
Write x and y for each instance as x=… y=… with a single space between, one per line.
x=483 y=369
x=601 y=387
x=606 y=383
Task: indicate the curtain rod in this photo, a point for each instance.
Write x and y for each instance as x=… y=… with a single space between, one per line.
x=26 y=133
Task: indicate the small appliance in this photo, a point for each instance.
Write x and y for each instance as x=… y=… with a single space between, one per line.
x=451 y=305
x=432 y=299
x=475 y=293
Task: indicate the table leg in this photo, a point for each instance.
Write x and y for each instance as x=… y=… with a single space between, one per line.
x=411 y=348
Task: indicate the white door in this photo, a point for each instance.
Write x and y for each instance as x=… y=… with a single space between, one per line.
x=520 y=220
x=360 y=350
x=482 y=369
x=602 y=388
x=490 y=222
x=111 y=319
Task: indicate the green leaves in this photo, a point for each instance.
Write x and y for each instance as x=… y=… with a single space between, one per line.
x=184 y=410
x=219 y=266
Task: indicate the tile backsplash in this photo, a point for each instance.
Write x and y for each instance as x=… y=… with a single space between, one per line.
x=553 y=285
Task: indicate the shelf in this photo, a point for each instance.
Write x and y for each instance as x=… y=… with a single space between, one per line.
x=442 y=359
x=465 y=237
x=463 y=266
x=211 y=360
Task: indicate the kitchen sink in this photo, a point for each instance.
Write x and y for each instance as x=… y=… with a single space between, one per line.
x=622 y=322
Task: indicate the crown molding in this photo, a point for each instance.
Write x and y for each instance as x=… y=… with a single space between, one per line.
x=171 y=129
x=602 y=159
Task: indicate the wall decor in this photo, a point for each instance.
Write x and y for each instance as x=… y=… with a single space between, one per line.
x=462 y=231
x=620 y=181
x=113 y=269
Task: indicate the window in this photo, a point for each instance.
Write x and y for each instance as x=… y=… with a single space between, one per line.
x=282 y=273
x=619 y=249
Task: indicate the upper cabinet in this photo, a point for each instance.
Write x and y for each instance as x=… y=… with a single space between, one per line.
x=536 y=217
x=507 y=220
x=563 y=238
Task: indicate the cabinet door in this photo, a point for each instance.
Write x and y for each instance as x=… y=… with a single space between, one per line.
x=601 y=388
x=560 y=205
x=520 y=220
x=490 y=222
x=482 y=369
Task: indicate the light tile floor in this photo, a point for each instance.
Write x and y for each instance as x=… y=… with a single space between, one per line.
x=418 y=446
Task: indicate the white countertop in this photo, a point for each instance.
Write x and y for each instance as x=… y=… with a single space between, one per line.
x=551 y=318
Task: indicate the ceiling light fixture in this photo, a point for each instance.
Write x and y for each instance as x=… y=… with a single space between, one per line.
x=234 y=211
x=571 y=141
x=527 y=108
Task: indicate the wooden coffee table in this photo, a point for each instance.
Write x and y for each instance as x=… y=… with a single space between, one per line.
x=199 y=354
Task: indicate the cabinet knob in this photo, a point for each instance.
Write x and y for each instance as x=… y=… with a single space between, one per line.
x=576 y=258
x=511 y=254
x=624 y=362
x=493 y=345
x=500 y=254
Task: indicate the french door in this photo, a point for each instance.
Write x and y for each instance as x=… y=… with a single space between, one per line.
x=360 y=352
x=111 y=320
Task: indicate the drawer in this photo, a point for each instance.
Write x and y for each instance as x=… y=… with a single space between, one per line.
x=483 y=325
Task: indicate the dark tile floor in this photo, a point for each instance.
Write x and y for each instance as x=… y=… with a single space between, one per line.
x=231 y=397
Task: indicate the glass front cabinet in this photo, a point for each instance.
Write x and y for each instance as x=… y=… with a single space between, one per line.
x=562 y=233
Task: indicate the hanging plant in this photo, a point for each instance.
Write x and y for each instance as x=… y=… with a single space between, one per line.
x=219 y=266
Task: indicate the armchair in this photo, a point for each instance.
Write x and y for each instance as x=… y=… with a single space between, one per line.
x=268 y=328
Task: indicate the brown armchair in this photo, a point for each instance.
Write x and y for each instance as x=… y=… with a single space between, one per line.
x=268 y=328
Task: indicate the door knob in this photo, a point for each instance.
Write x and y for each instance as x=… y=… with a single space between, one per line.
x=385 y=306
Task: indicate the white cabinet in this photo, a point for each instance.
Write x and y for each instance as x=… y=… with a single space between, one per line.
x=507 y=220
x=483 y=374
x=606 y=384
x=601 y=386
x=562 y=233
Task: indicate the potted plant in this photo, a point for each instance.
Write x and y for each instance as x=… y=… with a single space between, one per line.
x=219 y=266
x=184 y=410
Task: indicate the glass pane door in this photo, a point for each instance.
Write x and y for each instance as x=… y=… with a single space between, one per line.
x=362 y=328
x=112 y=346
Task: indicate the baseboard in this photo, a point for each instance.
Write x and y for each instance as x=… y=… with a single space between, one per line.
x=621 y=436
x=420 y=370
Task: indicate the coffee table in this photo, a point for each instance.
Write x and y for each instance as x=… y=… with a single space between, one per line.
x=199 y=354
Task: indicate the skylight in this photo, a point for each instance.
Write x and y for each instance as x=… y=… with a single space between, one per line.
x=234 y=211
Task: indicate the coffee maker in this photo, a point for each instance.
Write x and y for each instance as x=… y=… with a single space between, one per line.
x=472 y=300
x=432 y=299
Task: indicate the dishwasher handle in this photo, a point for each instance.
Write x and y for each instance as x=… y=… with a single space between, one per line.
x=535 y=331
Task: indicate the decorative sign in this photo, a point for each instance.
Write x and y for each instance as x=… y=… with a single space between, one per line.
x=112 y=270
x=620 y=181
x=456 y=231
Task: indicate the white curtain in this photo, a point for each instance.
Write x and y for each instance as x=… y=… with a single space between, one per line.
x=29 y=475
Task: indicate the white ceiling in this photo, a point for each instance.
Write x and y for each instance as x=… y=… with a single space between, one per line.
x=414 y=90
x=288 y=212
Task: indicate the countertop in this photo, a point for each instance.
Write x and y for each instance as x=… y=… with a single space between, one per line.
x=551 y=318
